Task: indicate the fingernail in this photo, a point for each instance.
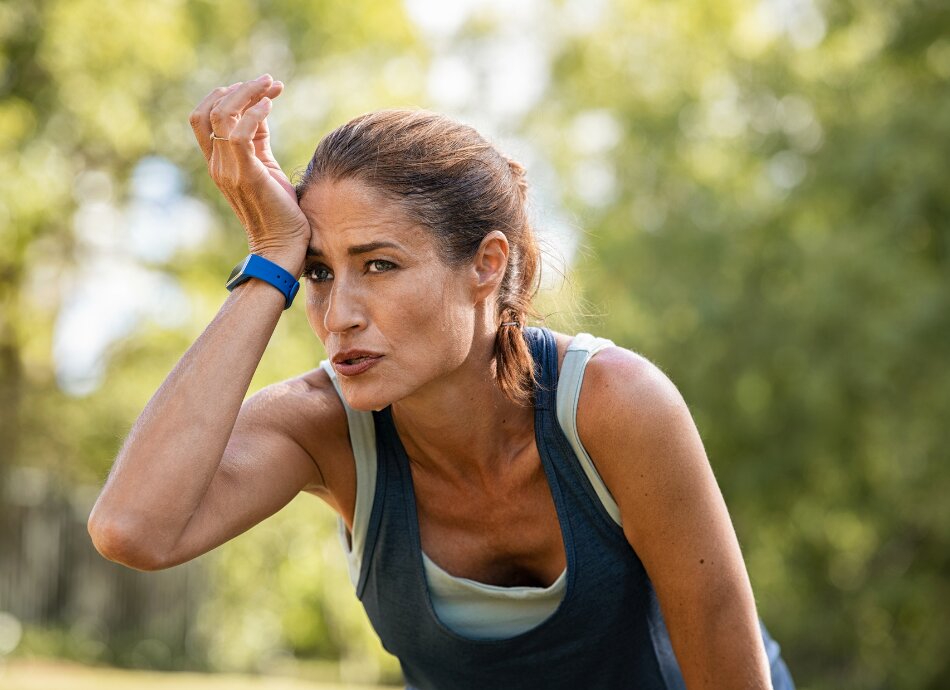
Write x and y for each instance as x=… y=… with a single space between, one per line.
x=264 y=77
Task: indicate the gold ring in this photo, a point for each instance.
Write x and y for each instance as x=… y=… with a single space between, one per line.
x=215 y=137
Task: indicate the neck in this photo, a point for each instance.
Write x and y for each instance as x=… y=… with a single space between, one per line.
x=463 y=425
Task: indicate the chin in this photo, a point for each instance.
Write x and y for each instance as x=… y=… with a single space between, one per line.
x=368 y=398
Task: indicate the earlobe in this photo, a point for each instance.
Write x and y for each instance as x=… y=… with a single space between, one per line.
x=491 y=261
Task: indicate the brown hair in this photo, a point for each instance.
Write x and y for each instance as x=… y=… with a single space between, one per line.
x=450 y=179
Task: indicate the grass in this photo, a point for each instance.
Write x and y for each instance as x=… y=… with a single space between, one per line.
x=24 y=674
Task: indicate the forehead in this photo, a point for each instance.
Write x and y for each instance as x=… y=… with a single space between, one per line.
x=350 y=211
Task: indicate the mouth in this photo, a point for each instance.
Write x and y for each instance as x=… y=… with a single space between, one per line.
x=357 y=360
x=354 y=356
x=353 y=362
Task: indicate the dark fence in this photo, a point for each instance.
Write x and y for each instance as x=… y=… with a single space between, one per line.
x=63 y=592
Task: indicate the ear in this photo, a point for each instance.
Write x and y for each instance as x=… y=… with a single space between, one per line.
x=489 y=264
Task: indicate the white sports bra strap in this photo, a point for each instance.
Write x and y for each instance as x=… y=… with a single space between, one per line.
x=582 y=348
x=363 y=441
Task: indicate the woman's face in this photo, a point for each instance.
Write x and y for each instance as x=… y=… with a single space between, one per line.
x=392 y=316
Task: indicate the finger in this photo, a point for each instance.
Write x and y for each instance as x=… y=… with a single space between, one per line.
x=226 y=113
x=262 y=142
x=243 y=135
x=262 y=135
x=275 y=90
x=199 y=118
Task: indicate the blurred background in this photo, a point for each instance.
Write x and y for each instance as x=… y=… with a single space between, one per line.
x=755 y=195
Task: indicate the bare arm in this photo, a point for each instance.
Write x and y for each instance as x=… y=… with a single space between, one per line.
x=181 y=482
x=173 y=493
x=645 y=445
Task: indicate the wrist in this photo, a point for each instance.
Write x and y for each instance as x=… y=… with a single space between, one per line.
x=257 y=267
x=291 y=261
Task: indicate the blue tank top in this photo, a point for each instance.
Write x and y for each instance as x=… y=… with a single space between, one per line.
x=608 y=631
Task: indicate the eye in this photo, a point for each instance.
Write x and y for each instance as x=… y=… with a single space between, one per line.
x=379 y=266
x=318 y=273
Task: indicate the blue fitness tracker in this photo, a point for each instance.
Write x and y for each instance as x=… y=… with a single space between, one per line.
x=255 y=266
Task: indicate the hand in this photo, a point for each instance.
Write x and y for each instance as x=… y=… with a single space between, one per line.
x=244 y=169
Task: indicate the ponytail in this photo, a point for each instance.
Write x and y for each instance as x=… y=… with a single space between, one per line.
x=514 y=364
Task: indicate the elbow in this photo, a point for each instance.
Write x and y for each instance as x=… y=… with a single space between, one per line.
x=124 y=545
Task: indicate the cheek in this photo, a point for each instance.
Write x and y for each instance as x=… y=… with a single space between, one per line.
x=315 y=310
x=441 y=320
x=433 y=304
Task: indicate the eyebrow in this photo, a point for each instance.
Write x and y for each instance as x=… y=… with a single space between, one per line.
x=357 y=249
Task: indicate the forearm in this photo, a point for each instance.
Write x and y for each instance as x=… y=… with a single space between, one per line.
x=719 y=645
x=174 y=448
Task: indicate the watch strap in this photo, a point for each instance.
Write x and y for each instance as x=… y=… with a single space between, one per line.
x=256 y=266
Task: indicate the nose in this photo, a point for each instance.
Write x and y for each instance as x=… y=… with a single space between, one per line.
x=344 y=309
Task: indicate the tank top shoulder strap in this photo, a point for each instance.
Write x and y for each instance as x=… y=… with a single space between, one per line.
x=363 y=442
x=579 y=353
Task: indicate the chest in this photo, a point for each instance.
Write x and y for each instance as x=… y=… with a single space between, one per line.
x=501 y=532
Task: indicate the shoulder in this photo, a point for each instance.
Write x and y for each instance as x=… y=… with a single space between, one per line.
x=623 y=387
x=306 y=409
x=636 y=427
x=640 y=434
x=301 y=401
x=614 y=379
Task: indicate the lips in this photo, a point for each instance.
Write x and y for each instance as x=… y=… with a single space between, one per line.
x=350 y=356
x=353 y=362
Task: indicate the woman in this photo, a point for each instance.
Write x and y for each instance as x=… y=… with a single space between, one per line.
x=522 y=509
